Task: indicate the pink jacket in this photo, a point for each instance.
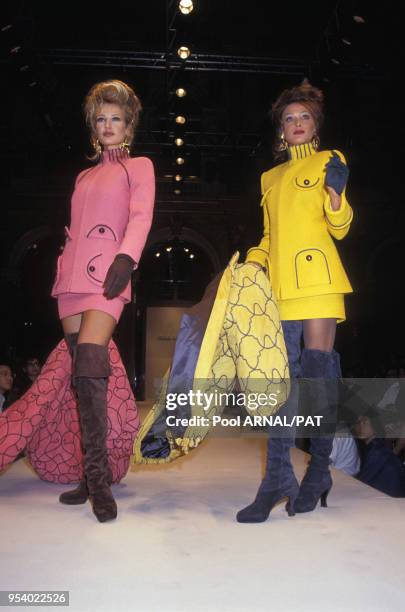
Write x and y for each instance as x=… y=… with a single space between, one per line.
x=111 y=212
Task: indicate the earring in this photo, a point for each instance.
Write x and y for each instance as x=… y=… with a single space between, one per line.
x=124 y=146
x=315 y=142
x=97 y=146
x=283 y=143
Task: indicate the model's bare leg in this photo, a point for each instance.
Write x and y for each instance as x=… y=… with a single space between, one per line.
x=319 y=334
x=71 y=325
x=97 y=327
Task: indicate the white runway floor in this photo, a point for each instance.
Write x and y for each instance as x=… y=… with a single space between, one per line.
x=177 y=547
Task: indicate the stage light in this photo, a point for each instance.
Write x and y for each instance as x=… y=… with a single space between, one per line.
x=191 y=256
x=168 y=249
x=346 y=42
x=157 y=255
x=335 y=61
x=192 y=176
x=180 y=92
x=186 y=250
x=32 y=84
x=15 y=49
x=179 y=142
x=7 y=27
x=24 y=68
x=183 y=52
x=186 y=6
x=168 y=175
x=178 y=178
x=359 y=19
x=180 y=161
x=177 y=191
x=180 y=119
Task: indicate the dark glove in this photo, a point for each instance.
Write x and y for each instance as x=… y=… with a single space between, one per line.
x=118 y=275
x=337 y=173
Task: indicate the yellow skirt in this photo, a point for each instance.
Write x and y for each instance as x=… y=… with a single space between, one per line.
x=327 y=306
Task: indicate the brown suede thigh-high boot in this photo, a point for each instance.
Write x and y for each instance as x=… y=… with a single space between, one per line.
x=79 y=495
x=91 y=372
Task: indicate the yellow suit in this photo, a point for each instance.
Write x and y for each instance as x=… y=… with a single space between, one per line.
x=297 y=245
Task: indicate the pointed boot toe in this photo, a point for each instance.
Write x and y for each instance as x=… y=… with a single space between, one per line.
x=76 y=496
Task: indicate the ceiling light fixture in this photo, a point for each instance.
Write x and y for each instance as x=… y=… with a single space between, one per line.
x=183 y=52
x=186 y=6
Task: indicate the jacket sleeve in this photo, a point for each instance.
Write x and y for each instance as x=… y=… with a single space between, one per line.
x=260 y=253
x=338 y=221
x=142 y=198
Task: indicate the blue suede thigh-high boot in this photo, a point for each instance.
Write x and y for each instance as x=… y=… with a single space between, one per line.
x=323 y=370
x=279 y=481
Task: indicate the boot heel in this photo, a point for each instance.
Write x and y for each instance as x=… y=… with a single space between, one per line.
x=323 y=498
x=259 y=510
x=290 y=508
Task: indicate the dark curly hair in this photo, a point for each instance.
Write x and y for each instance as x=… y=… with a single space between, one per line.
x=309 y=96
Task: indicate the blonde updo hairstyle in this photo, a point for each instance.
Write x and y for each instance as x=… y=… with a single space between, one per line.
x=310 y=97
x=111 y=92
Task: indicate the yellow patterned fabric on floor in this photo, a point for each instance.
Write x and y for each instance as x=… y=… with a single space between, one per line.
x=242 y=351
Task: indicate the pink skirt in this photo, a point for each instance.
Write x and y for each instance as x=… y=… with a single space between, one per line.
x=74 y=303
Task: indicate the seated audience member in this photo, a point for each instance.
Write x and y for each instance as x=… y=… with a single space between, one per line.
x=345 y=453
x=6 y=384
x=380 y=468
x=30 y=370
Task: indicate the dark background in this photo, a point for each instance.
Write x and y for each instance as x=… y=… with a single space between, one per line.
x=243 y=55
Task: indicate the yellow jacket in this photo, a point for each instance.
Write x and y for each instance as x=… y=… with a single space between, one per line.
x=297 y=246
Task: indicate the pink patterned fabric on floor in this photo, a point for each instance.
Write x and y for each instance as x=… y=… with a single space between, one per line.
x=44 y=422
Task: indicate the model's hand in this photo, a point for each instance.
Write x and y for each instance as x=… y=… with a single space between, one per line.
x=335 y=198
x=337 y=174
x=118 y=276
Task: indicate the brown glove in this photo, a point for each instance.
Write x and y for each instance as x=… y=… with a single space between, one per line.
x=118 y=275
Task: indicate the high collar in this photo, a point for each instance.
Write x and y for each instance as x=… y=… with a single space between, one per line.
x=113 y=155
x=297 y=152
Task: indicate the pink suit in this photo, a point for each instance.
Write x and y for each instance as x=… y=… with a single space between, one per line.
x=112 y=208
x=111 y=213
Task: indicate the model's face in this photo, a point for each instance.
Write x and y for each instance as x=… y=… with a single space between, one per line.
x=111 y=127
x=6 y=379
x=297 y=124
